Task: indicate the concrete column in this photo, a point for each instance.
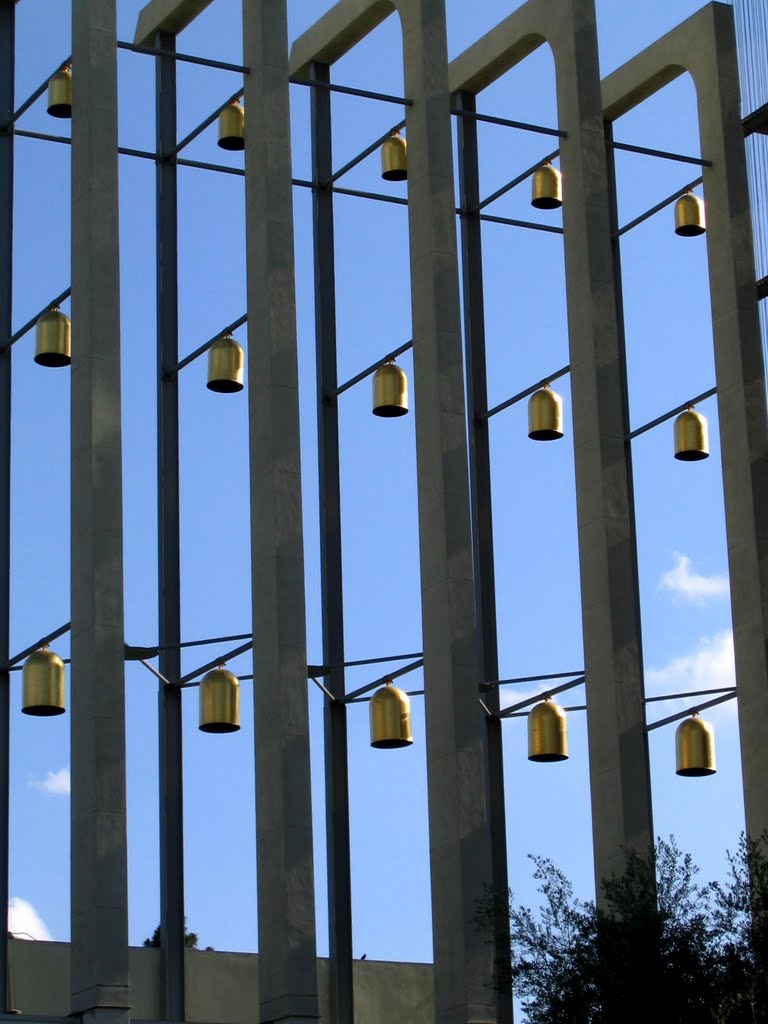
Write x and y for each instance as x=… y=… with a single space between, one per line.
x=287 y=953
x=99 y=971
x=705 y=46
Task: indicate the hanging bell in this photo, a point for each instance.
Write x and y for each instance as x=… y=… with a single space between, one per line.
x=691 y=436
x=60 y=93
x=545 y=415
x=53 y=339
x=390 y=390
x=219 y=701
x=695 y=747
x=390 y=718
x=394 y=161
x=225 y=365
x=690 y=219
x=43 y=684
x=547 y=188
x=232 y=127
x=547 y=732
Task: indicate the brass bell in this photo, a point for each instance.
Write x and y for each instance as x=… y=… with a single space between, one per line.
x=43 y=684
x=219 y=701
x=690 y=219
x=232 y=127
x=691 y=436
x=545 y=415
x=53 y=339
x=394 y=160
x=225 y=365
x=390 y=390
x=547 y=732
x=60 y=93
x=547 y=188
x=695 y=747
x=390 y=718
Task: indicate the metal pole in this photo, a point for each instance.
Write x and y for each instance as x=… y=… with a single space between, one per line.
x=169 y=572
x=7 y=51
x=482 y=534
x=336 y=779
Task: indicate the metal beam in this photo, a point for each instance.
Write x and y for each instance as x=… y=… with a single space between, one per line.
x=7 y=79
x=482 y=533
x=171 y=793
x=335 y=713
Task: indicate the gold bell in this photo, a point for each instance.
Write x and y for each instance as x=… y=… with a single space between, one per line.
x=390 y=718
x=545 y=415
x=60 y=93
x=690 y=219
x=225 y=365
x=695 y=747
x=219 y=701
x=53 y=339
x=232 y=127
x=547 y=732
x=547 y=188
x=390 y=390
x=394 y=161
x=691 y=436
x=43 y=684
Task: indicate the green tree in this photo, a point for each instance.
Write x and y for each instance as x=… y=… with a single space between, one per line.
x=190 y=939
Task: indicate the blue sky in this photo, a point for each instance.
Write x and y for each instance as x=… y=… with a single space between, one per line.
x=682 y=552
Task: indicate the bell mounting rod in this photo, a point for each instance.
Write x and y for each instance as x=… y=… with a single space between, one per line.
x=35 y=96
x=662 y=154
x=325 y=690
x=349 y=697
x=689 y=693
x=154 y=672
x=219 y=660
x=204 y=124
x=367 y=151
x=524 y=394
x=187 y=58
x=379 y=661
x=529 y=225
x=524 y=126
x=372 y=369
x=694 y=708
x=659 y=206
x=30 y=324
x=204 y=348
x=540 y=696
x=515 y=181
x=671 y=413
x=39 y=643
x=347 y=90
x=531 y=679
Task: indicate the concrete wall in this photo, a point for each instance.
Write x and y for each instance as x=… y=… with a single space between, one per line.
x=221 y=987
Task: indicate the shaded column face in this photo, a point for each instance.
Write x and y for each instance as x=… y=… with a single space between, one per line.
x=99 y=966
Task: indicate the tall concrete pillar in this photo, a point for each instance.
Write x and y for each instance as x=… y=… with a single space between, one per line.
x=705 y=46
x=99 y=965
x=458 y=807
x=287 y=949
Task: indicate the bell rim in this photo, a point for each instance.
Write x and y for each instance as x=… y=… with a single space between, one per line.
x=53 y=360
x=61 y=110
x=219 y=728
x=691 y=456
x=695 y=773
x=43 y=710
x=232 y=143
x=690 y=230
x=546 y=203
x=390 y=411
x=393 y=744
x=225 y=387
x=545 y=435
x=548 y=758
x=395 y=175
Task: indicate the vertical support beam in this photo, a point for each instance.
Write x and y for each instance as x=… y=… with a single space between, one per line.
x=741 y=395
x=168 y=548
x=7 y=78
x=459 y=813
x=482 y=533
x=287 y=945
x=620 y=782
x=336 y=763
x=99 y=949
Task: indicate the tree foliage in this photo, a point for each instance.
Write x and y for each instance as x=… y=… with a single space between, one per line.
x=190 y=939
x=662 y=948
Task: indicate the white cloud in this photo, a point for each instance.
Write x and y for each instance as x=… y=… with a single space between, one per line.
x=682 y=581
x=24 y=921
x=709 y=666
x=54 y=783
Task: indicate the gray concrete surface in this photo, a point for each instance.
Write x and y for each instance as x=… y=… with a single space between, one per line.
x=166 y=16
x=285 y=873
x=98 y=814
